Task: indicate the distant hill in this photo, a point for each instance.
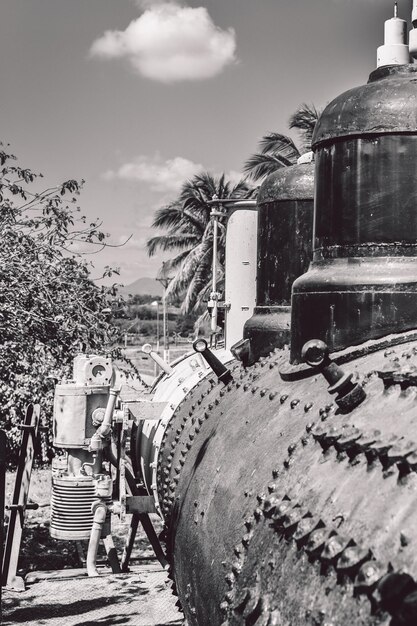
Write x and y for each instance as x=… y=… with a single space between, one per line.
x=142 y=286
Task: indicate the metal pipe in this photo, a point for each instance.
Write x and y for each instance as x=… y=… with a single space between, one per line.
x=96 y=442
x=100 y=512
x=147 y=349
x=214 y=272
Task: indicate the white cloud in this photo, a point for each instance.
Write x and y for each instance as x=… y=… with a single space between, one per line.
x=163 y=176
x=170 y=43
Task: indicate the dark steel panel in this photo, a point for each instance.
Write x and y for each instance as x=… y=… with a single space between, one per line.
x=386 y=104
x=269 y=454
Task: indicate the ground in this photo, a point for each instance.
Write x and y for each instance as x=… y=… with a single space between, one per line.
x=141 y=597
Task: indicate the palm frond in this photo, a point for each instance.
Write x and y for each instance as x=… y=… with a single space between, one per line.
x=260 y=165
x=280 y=145
x=170 y=241
x=305 y=119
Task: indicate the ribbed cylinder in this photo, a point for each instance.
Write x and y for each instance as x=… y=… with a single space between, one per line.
x=71 y=515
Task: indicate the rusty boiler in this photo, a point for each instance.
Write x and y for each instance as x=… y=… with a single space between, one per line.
x=291 y=496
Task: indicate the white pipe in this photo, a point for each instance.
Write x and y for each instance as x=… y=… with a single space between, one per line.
x=395 y=50
x=214 y=279
x=100 y=512
x=147 y=349
x=413 y=33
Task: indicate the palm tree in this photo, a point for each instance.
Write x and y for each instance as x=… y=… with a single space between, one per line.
x=190 y=233
x=278 y=150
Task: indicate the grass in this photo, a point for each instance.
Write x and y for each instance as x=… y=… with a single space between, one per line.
x=39 y=551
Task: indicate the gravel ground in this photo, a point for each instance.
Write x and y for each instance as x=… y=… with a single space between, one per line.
x=140 y=598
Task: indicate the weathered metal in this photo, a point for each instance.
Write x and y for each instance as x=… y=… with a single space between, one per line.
x=362 y=283
x=291 y=535
x=285 y=225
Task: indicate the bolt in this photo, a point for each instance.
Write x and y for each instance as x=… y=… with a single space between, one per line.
x=304 y=528
x=368 y=575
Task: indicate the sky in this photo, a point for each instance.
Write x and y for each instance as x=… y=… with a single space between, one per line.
x=136 y=96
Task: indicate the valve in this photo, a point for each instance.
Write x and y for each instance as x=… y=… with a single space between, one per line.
x=221 y=371
x=147 y=349
x=349 y=395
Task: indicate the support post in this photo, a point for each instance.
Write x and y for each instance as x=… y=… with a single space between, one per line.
x=19 y=502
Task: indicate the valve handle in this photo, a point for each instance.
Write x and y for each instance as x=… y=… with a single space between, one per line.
x=222 y=372
x=147 y=349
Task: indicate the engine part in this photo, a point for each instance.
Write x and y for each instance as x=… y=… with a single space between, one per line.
x=285 y=222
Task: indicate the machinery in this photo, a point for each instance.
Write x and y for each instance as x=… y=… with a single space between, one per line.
x=289 y=490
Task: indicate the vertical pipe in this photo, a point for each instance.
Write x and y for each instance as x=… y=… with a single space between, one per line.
x=214 y=280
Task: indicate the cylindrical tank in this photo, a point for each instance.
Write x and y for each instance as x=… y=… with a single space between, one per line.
x=362 y=283
x=240 y=268
x=285 y=223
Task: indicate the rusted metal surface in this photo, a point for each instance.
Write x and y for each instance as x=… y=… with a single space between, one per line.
x=287 y=511
x=362 y=282
x=285 y=223
x=383 y=105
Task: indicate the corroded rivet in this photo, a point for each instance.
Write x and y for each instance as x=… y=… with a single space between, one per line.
x=272 y=395
x=291 y=448
x=236 y=568
x=271 y=487
x=248 y=524
x=230 y=579
x=369 y=574
x=308 y=406
x=246 y=540
x=238 y=550
x=257 y=513
x=260 y=497
x=310 y=427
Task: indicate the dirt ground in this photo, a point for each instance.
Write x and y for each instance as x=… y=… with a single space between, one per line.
x=141 y=597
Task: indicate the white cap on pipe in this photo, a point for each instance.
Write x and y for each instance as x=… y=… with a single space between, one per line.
x=413 y=32
x=395 y=49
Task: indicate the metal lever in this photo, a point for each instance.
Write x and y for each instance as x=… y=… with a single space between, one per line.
x=147 y=349
x=349 y=395
x=221 y=371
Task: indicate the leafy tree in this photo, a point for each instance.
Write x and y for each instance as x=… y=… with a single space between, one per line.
x=277 y=150
x=190 y=234
x=51 y=309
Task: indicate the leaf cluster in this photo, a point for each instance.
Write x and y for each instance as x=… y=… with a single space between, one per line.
x=50 y=308
x=189 y=232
